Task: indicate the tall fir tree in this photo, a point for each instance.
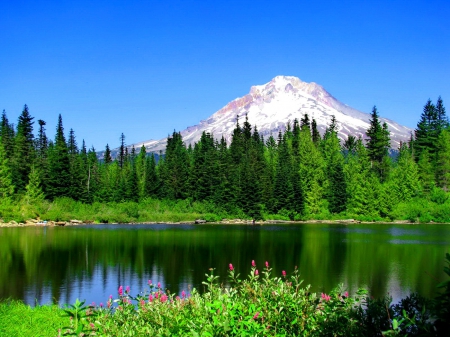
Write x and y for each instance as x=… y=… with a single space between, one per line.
x=59 y=181
x=6 y=184
x=41 y=163
x=427 y=131
x=107 y=159
x=24 y=152
x=336 y=187
x=378 y=144
x=152 y=183
x=443 y=160
x=405 y=176
x=122 y=151
x=7 y=135
x=175 y=168
x=33 y=191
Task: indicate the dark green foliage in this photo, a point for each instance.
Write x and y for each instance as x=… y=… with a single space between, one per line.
x=174 y=169
x=302 y=175
x=59 y=165
x=7 y=135
x=378 y=144
x=107 y=159
x=204 y=172
x=151 y=180
x=24 y=151
x=433 y=121
x=350 y=144
x=6 y=185
x=315 y=132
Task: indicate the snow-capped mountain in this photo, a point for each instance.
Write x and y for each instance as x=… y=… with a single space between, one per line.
x=272 y=105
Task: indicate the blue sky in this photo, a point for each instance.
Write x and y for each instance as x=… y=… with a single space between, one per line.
x=146 y=68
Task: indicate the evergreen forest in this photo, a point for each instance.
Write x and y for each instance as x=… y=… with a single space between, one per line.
x=298 y=175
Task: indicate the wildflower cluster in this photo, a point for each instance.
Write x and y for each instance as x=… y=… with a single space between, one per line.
x=261 y=304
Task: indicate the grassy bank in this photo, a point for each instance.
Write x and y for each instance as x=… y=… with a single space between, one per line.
x=19 y=319
x=156 y=210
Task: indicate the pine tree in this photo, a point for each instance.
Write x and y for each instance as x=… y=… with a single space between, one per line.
x=107 y=159
x=405 y=176
x=131 y=181
x=151 y=184
x=223 y=194
x=41 y=163
x=33 y=191
x=175 y=169
x=304 y=122
x=362 y=186
x=350 y=144
x=378 y=143
x=443 y=160
x=268 y=179
x=7 y=135
x=315 y=132
x=311 y=170
x=441 y=117
x=93 y=175
x=283 y=191
x=59 y=165
x=204 y=171
x=6 y=184
x=122 y=155
x=140 y=171
x=426 y=133
x=336 y=187
x=76 y=169
x=426 y=172
x=23 y=150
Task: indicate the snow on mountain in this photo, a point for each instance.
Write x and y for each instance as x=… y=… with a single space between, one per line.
x=272 y=105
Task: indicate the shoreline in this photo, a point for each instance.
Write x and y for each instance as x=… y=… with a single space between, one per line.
x=70 y=223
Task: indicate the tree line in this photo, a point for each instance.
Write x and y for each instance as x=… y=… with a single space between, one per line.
x=297 y=174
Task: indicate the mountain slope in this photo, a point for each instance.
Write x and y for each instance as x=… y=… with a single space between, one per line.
x=272 y=105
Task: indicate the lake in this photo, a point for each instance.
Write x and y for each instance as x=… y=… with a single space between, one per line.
x=45 y=264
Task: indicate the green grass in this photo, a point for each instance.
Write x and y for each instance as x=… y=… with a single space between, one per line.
x=19 y=319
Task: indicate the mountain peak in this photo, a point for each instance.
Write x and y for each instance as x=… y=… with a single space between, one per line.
x=272 y=105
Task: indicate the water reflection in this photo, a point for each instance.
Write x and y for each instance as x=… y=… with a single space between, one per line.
x=90 y=262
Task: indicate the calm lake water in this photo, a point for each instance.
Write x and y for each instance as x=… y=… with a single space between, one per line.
x=44 y=264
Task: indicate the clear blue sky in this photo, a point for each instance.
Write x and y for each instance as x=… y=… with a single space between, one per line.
x=145 y=68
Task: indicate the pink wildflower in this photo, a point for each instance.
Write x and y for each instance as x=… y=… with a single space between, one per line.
x=101 y=305
x=92 y=325
x=120 y=291
x=110 y=297
x=156 y=295
x=159 y=284
x=128 y=289
x=326 y=297
x=150 y=298
x=256 y=315
x=109 y=304
x=142 y=302
x=183 y=294
x=149 y=282
x=177 y=298
x=163 y=298
x=267 y=264
x=231 y=267
x=346 y=294
x=253 y=263
x=283 y=273
x=256 y=272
